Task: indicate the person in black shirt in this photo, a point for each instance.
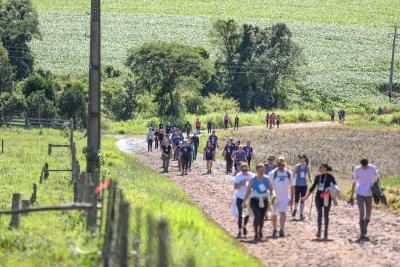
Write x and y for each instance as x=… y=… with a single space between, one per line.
x=208 y=156
x=322 y=182
x=196 y=142
x=236 y=123
x=166 y=155
x=156 y=138
x=227 y=154
x=209 y=126
x=186 y=156
x=168 y=128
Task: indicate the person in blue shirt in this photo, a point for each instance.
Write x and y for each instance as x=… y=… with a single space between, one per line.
x=227 y=155
x=258 y=190
x=238 y=157
x=186 y=156
x=301 y=173
x=249 y=153
x=213 y=138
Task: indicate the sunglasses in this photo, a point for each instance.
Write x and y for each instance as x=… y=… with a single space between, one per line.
x=281 y=165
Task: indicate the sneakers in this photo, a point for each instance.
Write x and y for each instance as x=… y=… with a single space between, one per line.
x=281 y=233
x=301 y=217
x=239 y=235
x=318 y=235
x=274 y=233
x=294 y=213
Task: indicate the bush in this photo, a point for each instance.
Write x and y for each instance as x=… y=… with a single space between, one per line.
x=111 y=72
x=38 y=106
x=12 y=104
x=220 y=103
x=40 y=83
x=72 y=102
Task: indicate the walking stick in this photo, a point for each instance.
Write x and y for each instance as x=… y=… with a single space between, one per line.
x=309 y=215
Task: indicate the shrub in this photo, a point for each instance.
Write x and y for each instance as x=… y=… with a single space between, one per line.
x=39 y=106
x=12 y=104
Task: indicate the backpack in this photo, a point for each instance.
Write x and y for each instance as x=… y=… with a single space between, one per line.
x=276 y=174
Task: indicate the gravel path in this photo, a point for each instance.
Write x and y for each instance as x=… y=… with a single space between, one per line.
x=213 y=194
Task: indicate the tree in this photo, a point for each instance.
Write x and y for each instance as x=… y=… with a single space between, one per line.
x=12 y=104
x=6 y=71
x=41 y=81
x=72 y=102
x=19 y=24
x=160 y=67
x=255 y=65
x=38 y=106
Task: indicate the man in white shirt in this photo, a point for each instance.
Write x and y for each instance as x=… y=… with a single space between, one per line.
x=282 y=182
x=240 y=186
x=363 y=180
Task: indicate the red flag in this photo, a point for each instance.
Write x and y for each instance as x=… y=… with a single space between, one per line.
x=102 y=186
x=326 y=193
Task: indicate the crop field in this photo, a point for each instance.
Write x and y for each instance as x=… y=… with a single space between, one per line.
x=342 y=148
x=346 y=45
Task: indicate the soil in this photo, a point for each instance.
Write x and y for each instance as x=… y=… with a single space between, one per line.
x=213 y=194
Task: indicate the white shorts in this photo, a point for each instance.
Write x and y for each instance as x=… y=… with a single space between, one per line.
x=279 y=206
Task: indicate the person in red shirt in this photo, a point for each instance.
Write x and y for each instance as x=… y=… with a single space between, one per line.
x=226 y=121
x=272 y=119
x=198 y=126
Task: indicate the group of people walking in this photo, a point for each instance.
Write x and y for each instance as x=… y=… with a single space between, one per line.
x=274 y=185
x=272 y=120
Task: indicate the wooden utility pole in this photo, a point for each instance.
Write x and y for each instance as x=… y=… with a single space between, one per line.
x=93 y=127
x=395 y=36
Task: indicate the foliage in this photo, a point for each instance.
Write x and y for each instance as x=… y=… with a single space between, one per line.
x=39 y=106
x=72 y=102
x=40 y=82
x=12 y=104
x=6 y=71
x=255 y=64
x=19 y=24
x=160 y=67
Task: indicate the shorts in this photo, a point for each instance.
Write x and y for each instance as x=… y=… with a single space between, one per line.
x=280 y=205
x=209 y=157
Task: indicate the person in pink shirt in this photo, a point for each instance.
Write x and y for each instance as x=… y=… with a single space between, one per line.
x=226 y=121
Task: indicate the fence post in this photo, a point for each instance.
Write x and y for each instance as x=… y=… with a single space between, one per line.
x=25 y=205
x=16 y=199
x=163 y=244
x=123 y=225
x=137 y=238
x=49 y=150
x=150 y=242
x=34 y=194
x=109 y=221
x=80 y=185
x=92 y=212
x=2 y=146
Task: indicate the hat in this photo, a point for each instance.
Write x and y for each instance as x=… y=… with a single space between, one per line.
x=281 y=160
x=271 y=158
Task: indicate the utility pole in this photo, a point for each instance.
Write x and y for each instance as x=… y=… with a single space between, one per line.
x=395 y=36
x=93 y=127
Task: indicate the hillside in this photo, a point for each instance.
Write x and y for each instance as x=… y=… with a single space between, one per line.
x=346 y=45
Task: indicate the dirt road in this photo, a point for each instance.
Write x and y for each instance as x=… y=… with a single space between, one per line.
x=213 y=194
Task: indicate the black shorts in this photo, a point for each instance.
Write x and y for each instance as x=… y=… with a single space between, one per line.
x=299 y=191
x=209 y=157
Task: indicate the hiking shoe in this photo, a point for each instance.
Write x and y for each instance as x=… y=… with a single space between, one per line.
x=260 y=235
x=281 y=233
x=318 y=235
x=274 y=233
x=244 y=232
x=239 y=235
x=301 y=217
x=256 y=237
x=294 y=213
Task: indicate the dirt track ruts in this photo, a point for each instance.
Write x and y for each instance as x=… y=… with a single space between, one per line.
x=213 y=194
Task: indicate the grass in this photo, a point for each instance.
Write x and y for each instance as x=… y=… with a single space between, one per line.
x=140 y=125
x=44 y=239
x=60 y=239
x=192 y=233
x=345 y=43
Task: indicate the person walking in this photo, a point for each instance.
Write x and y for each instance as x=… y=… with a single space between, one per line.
x=332 y=114
x=226 y=121
x=238 y=157
x=278 y=121
x=196 y=142
x=208 y=156
x=249 y=153
x=156 y=138
x=364 y=176
x=267 y=119
x=188 y=128
x=178 y=154
x=213 y=138
x=198 y=126
x=240 y=185
x=186 y=156
x=209 y=126
x=301 y=172
x=227 y=155
x=282 y=182
x=270 y=165
x=236 y=123
x=166 y=154
x=322 y=182
x=272 y=120
x=258 y=191
x=150 y=139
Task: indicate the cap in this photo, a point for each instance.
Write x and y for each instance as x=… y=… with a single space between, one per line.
x=281 y=160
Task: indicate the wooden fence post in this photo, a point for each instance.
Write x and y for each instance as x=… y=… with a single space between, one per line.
x=25 y=205
x=150 y=242
x=80 y=186
x=16 y=199
x=92 y=212
x=163 y=244
x=137 y=238
x=109 y=222
x=49 y=150
x=123 y=237
x=2 y=146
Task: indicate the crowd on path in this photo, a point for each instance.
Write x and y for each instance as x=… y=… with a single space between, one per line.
x=274 y=186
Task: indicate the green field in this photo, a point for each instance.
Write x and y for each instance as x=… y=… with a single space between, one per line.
x=346 y=43
x=60 y=239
